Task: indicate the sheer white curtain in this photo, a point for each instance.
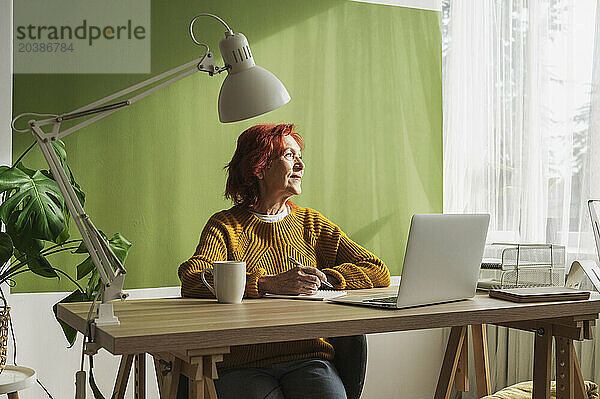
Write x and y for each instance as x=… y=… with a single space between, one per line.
x=511 y=93
x=589 y=351
x=522 y=134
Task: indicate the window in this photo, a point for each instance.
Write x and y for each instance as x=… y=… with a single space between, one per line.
x=518 y=141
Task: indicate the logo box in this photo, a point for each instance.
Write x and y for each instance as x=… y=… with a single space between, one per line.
x=81 y=36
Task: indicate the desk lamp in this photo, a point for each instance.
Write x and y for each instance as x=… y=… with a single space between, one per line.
x=247 y=91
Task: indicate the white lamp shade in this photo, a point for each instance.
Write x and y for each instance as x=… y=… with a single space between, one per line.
x=250 y=93
x=248 y=90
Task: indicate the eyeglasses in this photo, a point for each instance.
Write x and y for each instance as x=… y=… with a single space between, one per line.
x=289 y=156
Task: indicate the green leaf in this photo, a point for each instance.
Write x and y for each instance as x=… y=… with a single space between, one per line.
x=23 y=240
x=79 y=193
x=94 y=284
x=59 y=150
x=6 y=248
x=81 y=249
x=38 y=202
x=84 y=268
x=119 y=245
x=69 y=332
x=48 y=174
x=29 y=172
x=61 y=153
x=40 y=266
x=65 y=234
x=76 y=187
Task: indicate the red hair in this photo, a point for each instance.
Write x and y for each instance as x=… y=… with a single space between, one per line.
x=256 y=148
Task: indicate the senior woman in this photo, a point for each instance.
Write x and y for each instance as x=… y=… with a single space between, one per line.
x=263 y=229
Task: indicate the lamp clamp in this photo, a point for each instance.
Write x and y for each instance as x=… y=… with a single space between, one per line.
x=90 y=348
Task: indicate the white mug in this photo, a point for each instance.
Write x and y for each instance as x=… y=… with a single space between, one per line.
x=230 y=281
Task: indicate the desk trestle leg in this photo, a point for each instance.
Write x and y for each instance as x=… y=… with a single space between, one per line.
x=451 y=361
x=569 y=381
x=542 y=359
x=461 y=380
x=140 y=376
x=565 y=373
x=168 y=368
x=122 y=376
x=198 y=365
x=455 y=367
x=480 y=355
x=580 y=391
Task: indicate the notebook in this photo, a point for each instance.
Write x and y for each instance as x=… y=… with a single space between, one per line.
x=321 y=295
x=539 y=294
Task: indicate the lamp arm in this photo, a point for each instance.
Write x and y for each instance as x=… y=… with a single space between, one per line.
x=204 y=64
x=142 y=84
x=102 y=112
x=90 y=235
x=109 y=266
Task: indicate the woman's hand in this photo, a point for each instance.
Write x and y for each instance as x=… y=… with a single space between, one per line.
x=298 y=280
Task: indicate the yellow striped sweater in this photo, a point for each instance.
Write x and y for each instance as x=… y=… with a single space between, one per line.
x=307 y=236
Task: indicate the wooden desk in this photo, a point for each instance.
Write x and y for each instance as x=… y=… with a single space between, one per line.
x=190 y=336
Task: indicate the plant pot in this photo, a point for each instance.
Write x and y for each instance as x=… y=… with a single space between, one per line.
x=4 y=327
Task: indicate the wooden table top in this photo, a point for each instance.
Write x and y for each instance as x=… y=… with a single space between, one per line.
x=183 y=323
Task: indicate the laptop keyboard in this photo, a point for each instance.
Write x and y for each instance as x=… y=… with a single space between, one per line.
x=389 y=299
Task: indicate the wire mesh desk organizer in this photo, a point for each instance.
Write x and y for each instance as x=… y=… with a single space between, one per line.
x=507 y=265
x=540 y=265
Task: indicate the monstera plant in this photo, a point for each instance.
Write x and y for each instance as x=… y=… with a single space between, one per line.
x=37 y=226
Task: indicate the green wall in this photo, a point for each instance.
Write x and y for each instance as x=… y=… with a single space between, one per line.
x=365 y=82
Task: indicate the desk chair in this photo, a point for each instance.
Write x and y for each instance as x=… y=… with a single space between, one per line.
x=350 y=362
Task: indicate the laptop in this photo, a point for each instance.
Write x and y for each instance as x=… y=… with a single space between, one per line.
x=441 y=263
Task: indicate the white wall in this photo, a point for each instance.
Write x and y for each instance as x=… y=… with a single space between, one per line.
x=42 y=346
x=399 y=364
x=404 y=364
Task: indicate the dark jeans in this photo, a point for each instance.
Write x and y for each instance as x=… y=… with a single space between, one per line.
x=298 y=379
